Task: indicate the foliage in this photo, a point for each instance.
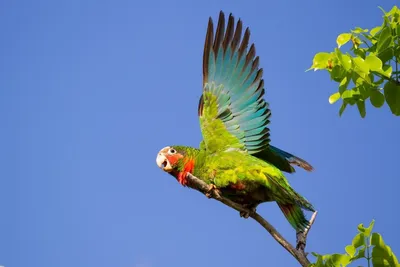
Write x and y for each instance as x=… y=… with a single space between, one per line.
x=368 y=68
x=366 y=246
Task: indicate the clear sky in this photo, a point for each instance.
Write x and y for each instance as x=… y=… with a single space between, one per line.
x=91 y=90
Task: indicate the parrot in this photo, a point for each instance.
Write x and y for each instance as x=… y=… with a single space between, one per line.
x=235 y=155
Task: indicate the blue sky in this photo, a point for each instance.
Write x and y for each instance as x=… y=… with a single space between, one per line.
x=91 y=90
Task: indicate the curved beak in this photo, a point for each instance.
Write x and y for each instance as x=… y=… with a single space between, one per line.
x=163 y=162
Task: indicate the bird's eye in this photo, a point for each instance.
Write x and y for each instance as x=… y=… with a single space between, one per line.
x=172 y=151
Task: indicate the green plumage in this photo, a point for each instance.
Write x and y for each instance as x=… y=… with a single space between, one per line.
x=235 y=154
x=261 y=181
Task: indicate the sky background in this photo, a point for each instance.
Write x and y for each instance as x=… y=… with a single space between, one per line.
x=90 y=91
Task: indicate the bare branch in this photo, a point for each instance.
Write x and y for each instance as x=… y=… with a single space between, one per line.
x=298 y=254
x=302 y=236
x=312 y=220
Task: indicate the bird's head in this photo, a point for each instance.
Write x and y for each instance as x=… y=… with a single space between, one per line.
x=169 y=158
x=176 y=161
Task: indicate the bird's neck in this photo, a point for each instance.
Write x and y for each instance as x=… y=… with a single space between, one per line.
x=187 y=165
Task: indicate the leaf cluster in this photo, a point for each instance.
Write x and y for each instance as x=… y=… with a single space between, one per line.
x=369 y=68
x=366 y=246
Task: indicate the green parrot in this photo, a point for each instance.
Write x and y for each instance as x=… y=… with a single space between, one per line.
x=235 y=155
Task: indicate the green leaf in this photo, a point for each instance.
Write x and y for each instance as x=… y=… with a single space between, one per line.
x=359 y=30
x=375 y=30
x=338 y=260
x=392 y=96
x=380 y=258
x=315 y=254
x=386 y=20
x=374 y=63
x=361 y=108
x=365 y=91
x=337 y=73
x=362 y=67
x=350 y=250
x=320 y=60
x=344 y=60
x=396 y=52
x=386 y=55
x=393 y=11
x=360 y=254
x=342 y=108
x=347 y=94
x=361 y=228
x=356 y=93
x=358 y=240
x=361 y=80
x=334 y=97
x=385 y=39
x=319 y=262
x=350 y=101
x=386 y=71
x=343 y=85
x=359 y=52
x=382 y=254
x=356 y=42
x=368 y=230
x=343 y=38
x=377 y=99
x=371 y=77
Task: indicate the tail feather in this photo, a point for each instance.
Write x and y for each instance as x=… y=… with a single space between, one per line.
x=295 y=216
x=292 y=159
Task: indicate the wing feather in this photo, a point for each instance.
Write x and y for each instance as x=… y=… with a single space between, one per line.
x=232 y=110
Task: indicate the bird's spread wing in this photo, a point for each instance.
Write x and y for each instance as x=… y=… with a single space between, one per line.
x=232 y=111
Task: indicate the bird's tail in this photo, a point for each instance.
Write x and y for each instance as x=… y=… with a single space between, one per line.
x=292 y=159
x=295 y=216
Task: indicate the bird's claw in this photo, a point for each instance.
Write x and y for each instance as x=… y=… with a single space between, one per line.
x=210 y=189
x=246 y=214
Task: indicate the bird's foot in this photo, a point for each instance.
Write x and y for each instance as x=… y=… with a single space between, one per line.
x=210 y=189
x=251 y=210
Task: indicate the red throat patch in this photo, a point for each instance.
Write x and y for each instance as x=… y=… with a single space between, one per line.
x=188 y=168
x=238 y=186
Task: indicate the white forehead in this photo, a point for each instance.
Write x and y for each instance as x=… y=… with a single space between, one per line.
x=165 y=149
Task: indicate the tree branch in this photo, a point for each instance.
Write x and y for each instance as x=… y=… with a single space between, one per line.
x=302 y=236
x=298 y=253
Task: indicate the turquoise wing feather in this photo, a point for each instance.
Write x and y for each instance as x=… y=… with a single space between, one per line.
x=233 y=90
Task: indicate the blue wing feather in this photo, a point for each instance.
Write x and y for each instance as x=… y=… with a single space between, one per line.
x=231 y=73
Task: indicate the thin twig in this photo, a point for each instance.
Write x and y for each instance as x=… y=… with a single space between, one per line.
x=298 y=254
x=312 y=220
x=384 y=77
x=302 y=236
